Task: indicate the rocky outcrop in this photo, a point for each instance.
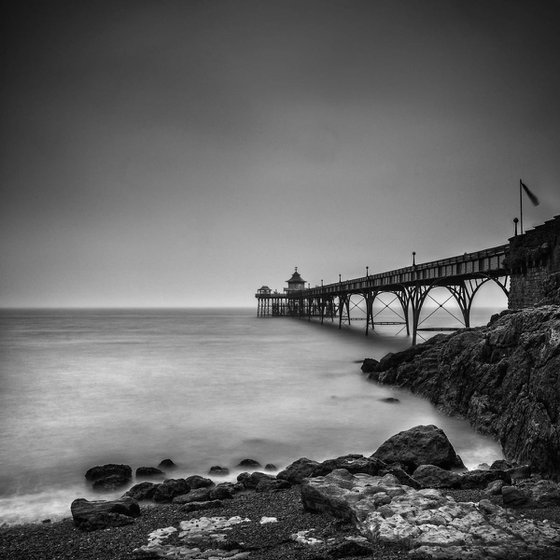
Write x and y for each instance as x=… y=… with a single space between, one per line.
x=504 y=378
x=427 y=522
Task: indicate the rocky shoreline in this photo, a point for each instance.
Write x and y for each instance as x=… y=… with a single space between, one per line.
x=412 y=498
x=503 y=378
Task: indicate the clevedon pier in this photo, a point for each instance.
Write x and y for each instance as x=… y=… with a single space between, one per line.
x=521 y=268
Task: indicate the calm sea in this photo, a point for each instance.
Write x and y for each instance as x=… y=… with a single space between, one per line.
x=80 y=388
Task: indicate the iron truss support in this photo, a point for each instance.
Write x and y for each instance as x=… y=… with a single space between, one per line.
x=462 y=291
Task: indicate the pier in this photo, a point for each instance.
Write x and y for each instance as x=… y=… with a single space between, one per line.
x=520 y=268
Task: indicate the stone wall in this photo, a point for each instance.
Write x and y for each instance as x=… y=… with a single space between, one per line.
x=533 y=259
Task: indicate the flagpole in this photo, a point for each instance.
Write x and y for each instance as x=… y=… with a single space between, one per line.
x=521 y=206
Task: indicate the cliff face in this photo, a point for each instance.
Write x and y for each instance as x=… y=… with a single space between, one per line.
x=504 y=378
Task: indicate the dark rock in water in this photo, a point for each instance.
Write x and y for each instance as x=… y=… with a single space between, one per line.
x=167 y=464
x=197 y=481
x=168 y=489
x=110 y=483
x=90 y=516
x=390 y=400
x=369 y=365
x=251 y=463
x=298 y=470
x=503 y=378
x=96 y=473
x=270 y=467
x=421 y=445
x=216 y=470
x=148 y=472
x=142 y=491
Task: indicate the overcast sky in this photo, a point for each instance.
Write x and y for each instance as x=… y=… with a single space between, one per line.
x=183 y=153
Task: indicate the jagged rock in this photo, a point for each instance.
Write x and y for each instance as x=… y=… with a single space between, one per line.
x=142 y=491
x=249 y=463
x=168 y=489
x=298 y=470
x=503 y=378
x=430 y=476
x=421 y=445
x=148 y=472
x=426 y=521
x=216 y=470
x=270 y=467
x=93 y=515
x=167 y=464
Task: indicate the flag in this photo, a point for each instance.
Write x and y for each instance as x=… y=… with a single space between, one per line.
x=529 y=194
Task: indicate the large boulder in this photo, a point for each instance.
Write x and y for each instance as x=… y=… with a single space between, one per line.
x=421 y=445
x=101 y=514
